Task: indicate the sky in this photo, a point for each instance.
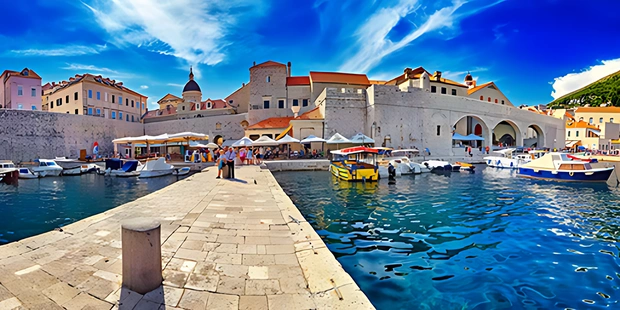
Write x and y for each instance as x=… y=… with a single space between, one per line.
x=534 y=50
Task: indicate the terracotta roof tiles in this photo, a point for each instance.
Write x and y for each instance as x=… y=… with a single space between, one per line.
x=297 y=81
x=339 y=78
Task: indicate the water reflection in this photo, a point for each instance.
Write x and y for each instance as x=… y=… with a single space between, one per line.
x=477 y=241
x=40 y=205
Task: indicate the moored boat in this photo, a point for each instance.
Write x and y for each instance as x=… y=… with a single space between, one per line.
x=181 y=171
x=466 y=166
x=47 y=167
x=561 y=167
x=155 y=168
x=26 y=173
x=437 y=165
x=129 y=169
x=355 y=164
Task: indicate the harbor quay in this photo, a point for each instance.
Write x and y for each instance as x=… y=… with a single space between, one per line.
x=225 y=244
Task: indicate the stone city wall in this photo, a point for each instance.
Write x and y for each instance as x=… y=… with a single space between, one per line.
x=344 y=111
x=28 y=135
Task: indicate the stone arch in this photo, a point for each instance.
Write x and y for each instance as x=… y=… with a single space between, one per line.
x=534 y=136
x=218 y=140
x=507 y=133
x=473 y=124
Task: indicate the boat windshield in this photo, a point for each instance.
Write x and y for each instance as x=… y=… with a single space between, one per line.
x=24 y=170
x=42 y=164
x=587 y=166
x=51 y=163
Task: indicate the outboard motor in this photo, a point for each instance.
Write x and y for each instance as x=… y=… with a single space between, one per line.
x=391 y=174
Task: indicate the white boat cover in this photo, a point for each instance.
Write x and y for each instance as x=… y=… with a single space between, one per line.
x=155 y=165
x=406 y=151
x=264 y=141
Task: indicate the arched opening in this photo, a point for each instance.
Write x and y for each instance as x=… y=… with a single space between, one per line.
x=218 y=140
x=505 y=134
x=472 y=127
x=534 y=137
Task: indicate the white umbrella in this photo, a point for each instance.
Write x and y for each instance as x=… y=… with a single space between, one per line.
x=311 y=139
x=264 y=141
x=245 y=141
x=209 y=145
x=229 y=142
x=337 y=139
x=287 y=139
x=360 y=138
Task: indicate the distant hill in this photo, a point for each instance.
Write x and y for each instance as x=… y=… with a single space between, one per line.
x=605 y=90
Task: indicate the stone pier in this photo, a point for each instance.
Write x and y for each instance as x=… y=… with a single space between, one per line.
x=226 y=244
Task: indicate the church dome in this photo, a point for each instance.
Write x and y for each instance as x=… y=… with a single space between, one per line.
x=468 y=78
x=191 y=86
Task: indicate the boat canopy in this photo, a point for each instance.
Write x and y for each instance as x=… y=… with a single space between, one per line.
x=360 y=138
x=264 y=141
x=338 y=139
x=406 y=151
x=356 y=150
x=158 y=164
x=130 y=166
x=113 y=163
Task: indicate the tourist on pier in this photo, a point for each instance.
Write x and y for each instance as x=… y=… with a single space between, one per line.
x=250 y=156
x=220 y=163
x=230 y=162
x=261 y=154
x=242 y=155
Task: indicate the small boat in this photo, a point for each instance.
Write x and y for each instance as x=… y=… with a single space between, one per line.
x=437 y=165
x=181 y=171
x=8 y=172
x=155 y=168
x=129 y=169
x=25 y=173
x=47 y=167
x=72 y=171
x=456 y=167
x=560 y=167
x=466 y=166
x=355 y=164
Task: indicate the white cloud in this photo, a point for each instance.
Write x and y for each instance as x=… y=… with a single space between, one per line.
x=70 y=50
x=460 y=75
x=81 y=68
x=373 y=43
x=194 y=30
x=144 y=87
x=175 y=85
x=574 y=81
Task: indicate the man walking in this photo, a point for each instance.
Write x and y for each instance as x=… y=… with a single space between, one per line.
x=230 y=162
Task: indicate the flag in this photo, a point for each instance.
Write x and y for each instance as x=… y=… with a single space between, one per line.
x=96 y=148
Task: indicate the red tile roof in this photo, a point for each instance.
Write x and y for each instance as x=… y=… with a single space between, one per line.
x=268 y=63
x=160 y=112
x=297 y=80
x=273 y=122
x=31 y=74
x=339 y=78
x=477 y=88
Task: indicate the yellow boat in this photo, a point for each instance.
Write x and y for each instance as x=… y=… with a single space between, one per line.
x=355 y=164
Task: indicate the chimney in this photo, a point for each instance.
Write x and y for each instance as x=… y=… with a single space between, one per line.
x=289 y=68
x=71 y=79
x=437 y=75
x=119 y=83
x=53 y=84
x=254 y=64
x=242 y=84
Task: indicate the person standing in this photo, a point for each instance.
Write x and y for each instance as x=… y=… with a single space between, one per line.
x=230 y=162
x=250 y=156
x=220 y=163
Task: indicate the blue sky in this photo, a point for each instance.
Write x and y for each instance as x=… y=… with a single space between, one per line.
x=530 y=48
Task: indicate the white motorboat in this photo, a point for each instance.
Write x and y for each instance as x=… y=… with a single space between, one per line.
x=129 y=169
x=25 y=173
x=181 y=171
x=384 y=173
x=508 y=160
x=437 y=165
x=155 y=168
x=47 y=167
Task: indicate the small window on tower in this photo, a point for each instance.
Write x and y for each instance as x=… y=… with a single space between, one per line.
x=433 y=89
x=268 y=79
x=438 y=130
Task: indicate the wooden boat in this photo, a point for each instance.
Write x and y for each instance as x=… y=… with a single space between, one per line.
x=465 y=166
x=355 y=164
x=561 y=167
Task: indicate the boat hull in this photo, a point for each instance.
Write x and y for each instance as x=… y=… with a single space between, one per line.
x=601 y=175
x=181 y=171
x=154 y=173
x=503 y=162
x=72 y=171
x=48 y=172
x=354 y=175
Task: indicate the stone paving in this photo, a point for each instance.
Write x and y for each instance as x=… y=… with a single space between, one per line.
x=225 y=245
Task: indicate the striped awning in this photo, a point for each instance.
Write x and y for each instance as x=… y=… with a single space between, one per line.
x=285 y=132
x=572 y=144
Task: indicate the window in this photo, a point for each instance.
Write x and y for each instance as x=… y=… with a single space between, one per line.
x=438 y=130
x=90 y=93
x=105 y=97
x=482 y=98
x=20 y=106
x=120 y=115
x=295 y=102
x=489 y=99
x=600 y=120
x=453 y=92
x=112 y=98
x=268 y=79
x=218 y=126
x=33 y=92
x=444 y=90
x=183 y=108
x=266 y=104
x=34 y=108
x=67 y=99
x=569 y=133
x=90 y=111
x=75 y=96
x=132 y=103
x=20 y=90
x=502 y=101
x=304 y=102
x=581 y=118
x=120 y=100
x=611 y=120
x=127 y=117
x=98 y=96
x=98 y=111
x=591 y=120
x=433 y=89
x=132 y=119
x=58 y=102
x=113 y=114
x=495 y=100
x=127 y=102
x=576 y=133
x=51 y=104
x=281 y=104
x=76 y=111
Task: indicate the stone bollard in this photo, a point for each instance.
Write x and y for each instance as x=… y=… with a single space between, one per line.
x=141 y=242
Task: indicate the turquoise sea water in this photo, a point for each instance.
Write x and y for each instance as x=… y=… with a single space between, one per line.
x=40 y=205
x=486 y=240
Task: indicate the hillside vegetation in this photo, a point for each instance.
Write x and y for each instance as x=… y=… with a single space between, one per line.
x=605 y=90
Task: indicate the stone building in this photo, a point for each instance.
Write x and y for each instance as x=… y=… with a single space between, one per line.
x=87 y=94
x=20 y=90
